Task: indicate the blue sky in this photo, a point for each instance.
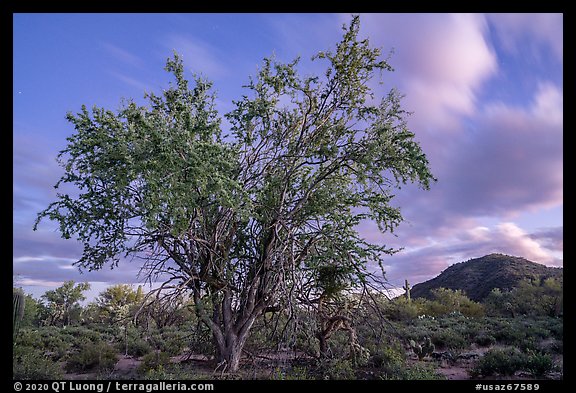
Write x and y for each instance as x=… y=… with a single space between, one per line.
x=486 y=91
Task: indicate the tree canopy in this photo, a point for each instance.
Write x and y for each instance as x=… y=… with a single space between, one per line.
x=264 y=216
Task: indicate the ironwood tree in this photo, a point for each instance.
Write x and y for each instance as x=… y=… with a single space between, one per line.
x=244 y=222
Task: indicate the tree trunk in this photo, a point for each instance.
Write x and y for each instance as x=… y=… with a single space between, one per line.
x=229 y=357
x=230 y=351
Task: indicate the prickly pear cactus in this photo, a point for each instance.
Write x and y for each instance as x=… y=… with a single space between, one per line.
x=424 y=349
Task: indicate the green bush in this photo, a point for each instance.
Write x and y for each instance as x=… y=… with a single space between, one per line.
x=387 y=357
x=30 y=364
x=509 y=334
x=400 y=309
x=92 y=357
x=418 y=371
x=159 y=374
x=153 y=361
x=500 y=361
x=556 y=328
x=509 y=360
x=174 y=341
x=29 y=338
x=295 y=373
x=539 y=364
x=136 y=346
x=337 y=369
x=485 y=340
x=449 y=339
x=421 y=372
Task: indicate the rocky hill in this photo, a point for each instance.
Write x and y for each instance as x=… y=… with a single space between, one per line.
x=477 y=277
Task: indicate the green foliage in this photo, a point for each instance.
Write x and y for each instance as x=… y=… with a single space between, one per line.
x=153 y=361
x=169 y=340
x=63 y=306
x=387 y=358
x=135 y=346
x=537 y=297
x=449 y=338
x=448 y=301
x=29 y=363
x=158 y=374
x=500 y=361
x=510 y=333
x=538 y=363
x=416 y=372
x=507 y=361
x=400 y=309
x=117 y=303
x=336 y=369
x=296 y=373
x=31 y=312
x=97 y=356
x=485 y=340
x=29 y=338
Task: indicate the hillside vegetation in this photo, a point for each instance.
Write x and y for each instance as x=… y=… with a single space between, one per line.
x=478 y=277
x=128 y=334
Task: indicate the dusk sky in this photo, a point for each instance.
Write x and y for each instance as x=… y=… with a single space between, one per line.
x=486 y=92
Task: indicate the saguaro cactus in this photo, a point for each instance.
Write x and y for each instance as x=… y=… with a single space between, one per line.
x=407 y=288
x=17 y=311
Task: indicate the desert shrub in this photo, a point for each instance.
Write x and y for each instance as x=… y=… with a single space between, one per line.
x=154 y=360
x=29 y=338
x=419 y=330
x=49 y=340
x=97 y=356
x=418 y=371
x=173 y=341
x=485 y=340
x=530 y=297
x=509 y=360
x=529 y=344
x=537 y=330
x=31 y=364
x=538 y=363
x=449 y=339
x=136 y=346
x=500 y=361
x=400 y=309
x=556 y=328
x=158 y=374
x=508 y=333
x=448 y=301
x=296 y=373
x=552 y=346
x=387 y=357
x=336 y=369
x=79 y=336
x=55 y=346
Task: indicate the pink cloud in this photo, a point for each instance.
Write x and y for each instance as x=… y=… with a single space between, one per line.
x=441 y=61
x=423 y=263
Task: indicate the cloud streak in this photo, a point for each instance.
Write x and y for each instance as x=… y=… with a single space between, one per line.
x=199 y=56
x=533 y=29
